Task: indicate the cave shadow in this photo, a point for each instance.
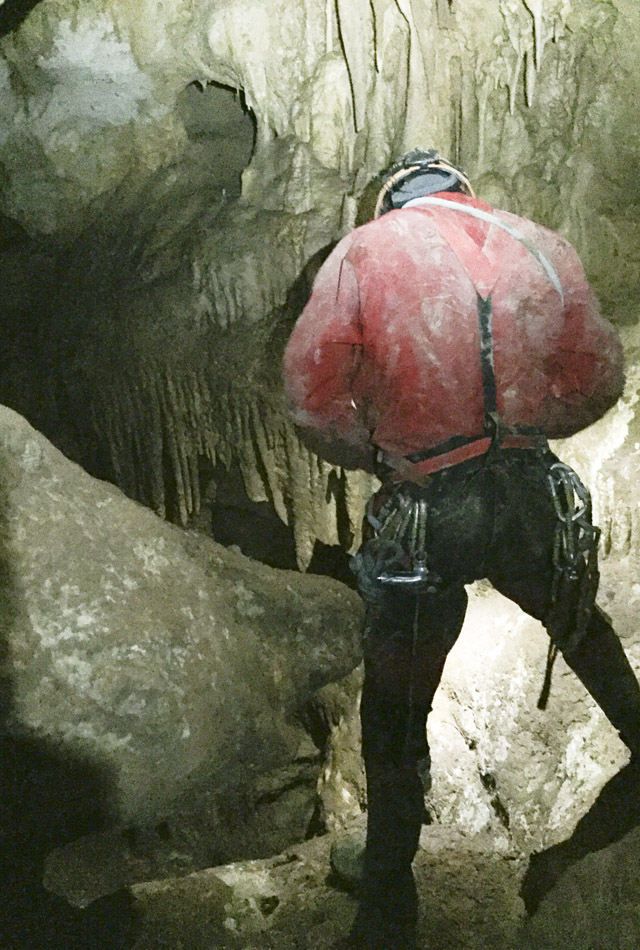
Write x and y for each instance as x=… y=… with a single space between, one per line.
x=258 y=532
x=615 y=813
x=255 y=527
x=49 y=796
x=13 y=12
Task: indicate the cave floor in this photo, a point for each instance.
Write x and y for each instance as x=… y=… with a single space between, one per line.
x=580 y=894
x=469 y=896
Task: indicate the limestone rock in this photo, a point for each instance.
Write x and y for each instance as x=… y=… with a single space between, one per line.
x=502 y=769
x=180 y=164
x=181 y=176
x=172 y=666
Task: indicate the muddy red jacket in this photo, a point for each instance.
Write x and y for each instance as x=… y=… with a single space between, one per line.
x=387 y=354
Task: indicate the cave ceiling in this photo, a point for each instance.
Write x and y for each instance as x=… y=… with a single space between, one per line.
x=173 y=170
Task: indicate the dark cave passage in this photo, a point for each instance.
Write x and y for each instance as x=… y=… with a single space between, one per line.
x=219 y=124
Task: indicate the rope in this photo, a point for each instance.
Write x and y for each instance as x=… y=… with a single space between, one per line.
x=552 y=653
x=412 y=680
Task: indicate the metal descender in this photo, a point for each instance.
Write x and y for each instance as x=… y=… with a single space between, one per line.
x=395 y=556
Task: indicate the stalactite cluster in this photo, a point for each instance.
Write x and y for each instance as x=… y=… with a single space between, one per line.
x=159 y=430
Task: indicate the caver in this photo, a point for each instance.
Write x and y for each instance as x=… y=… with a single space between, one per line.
x=443 y=344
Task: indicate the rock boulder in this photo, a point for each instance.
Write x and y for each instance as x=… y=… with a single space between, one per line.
x=172 y=666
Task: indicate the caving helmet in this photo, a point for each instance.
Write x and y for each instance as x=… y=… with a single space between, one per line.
x=419 y=173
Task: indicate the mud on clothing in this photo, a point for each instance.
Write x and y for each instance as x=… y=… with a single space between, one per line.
x=386 y=352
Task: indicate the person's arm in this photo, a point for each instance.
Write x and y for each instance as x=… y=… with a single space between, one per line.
x=321 y=361
x=586 y=371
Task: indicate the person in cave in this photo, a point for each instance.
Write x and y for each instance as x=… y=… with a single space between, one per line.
x=443 y=343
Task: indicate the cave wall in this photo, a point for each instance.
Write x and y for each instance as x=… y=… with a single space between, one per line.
x=157 y=245
x=172 y=173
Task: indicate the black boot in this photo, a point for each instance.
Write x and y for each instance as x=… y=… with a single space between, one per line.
x=387 y=913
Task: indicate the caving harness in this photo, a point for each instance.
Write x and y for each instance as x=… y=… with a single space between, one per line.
x=395 y=550
x=394 y=554
x=496 y=433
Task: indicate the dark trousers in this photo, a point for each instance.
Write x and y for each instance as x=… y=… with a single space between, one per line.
x=488 y=518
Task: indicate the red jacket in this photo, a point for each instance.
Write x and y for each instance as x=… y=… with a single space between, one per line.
x=386 y=354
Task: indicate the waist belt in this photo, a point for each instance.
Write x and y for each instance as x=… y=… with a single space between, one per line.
x=461 y=449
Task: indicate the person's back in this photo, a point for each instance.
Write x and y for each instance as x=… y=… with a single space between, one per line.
x=394 y=319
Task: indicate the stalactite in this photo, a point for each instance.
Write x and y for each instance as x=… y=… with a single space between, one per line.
x=358 y=487
x=328 y=41
x=374 y=26
x=530 y=76
x=172 y=451
x=357 y=38
x=155 y=420
x=455 y=74
x=514 y=79
x=536 y=8
x=529 y=39
x=419 y=17
x=148 y=424
x=488 y=76
x=139 y=436
x=262 y=425
x=406 y=16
